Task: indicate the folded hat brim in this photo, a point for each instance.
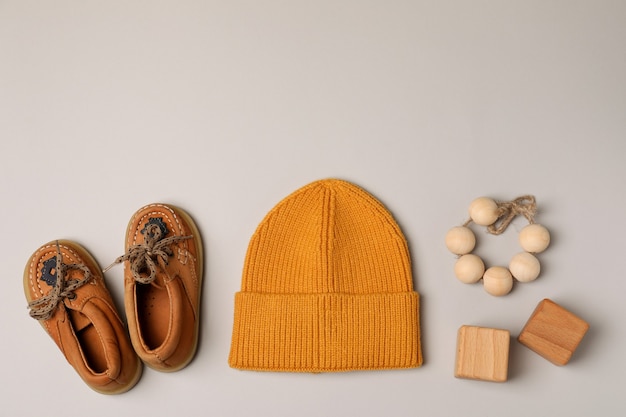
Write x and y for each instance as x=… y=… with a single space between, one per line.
x=330 y=332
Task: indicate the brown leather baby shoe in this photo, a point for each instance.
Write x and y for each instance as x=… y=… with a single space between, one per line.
x=66 y=292
x=162 y=285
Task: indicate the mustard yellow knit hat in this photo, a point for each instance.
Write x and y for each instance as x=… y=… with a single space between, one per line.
x=327 y=287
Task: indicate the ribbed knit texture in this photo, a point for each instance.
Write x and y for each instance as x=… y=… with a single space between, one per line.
x=327 y=287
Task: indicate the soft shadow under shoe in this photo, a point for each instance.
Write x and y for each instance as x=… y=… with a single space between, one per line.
x=162 y=285
x=66 y=292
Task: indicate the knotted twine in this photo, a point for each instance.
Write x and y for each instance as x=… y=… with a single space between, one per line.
x=144 y=256
x=508 y=210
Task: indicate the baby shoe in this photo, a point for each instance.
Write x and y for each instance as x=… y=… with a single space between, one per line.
x=66 y=292
x=162 y=285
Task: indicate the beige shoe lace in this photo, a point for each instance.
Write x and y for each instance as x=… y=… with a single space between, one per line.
x=44 y=307
x=145 y=256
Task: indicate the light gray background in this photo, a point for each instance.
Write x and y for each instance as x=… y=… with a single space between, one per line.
x=224 y=108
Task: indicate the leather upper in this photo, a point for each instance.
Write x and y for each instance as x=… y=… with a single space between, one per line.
x=86 y=328
x=163 y=315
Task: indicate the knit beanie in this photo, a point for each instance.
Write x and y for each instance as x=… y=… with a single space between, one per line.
x=327 y=287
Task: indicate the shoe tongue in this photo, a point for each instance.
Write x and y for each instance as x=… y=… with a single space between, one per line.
x=159 y=280
x=157 y=285
x=97 y=340
x=79 y=320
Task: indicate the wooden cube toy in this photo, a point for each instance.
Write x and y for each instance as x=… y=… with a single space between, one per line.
x=482 y=353
x=553 y=332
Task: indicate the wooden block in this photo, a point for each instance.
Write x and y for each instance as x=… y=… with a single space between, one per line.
x=553 y=332
x=482 y=353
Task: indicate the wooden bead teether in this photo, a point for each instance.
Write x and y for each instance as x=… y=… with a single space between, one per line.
x=497 y=215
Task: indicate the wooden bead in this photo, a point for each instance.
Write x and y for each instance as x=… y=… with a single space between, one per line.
x=460 y=240
x=524 y=267
x=497 y=281
x=483 y=211
x=534 y=238
x=469 y=268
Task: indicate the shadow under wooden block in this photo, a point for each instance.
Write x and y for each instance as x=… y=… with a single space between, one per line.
x=482 y=353
x=553 y=332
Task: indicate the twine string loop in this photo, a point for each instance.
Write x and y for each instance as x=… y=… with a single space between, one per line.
x=508 y=210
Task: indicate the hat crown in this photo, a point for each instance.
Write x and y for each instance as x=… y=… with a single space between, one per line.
x=328 y=237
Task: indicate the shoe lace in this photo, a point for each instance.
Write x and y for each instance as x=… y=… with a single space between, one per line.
x=44 y=307
x=145 y=256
